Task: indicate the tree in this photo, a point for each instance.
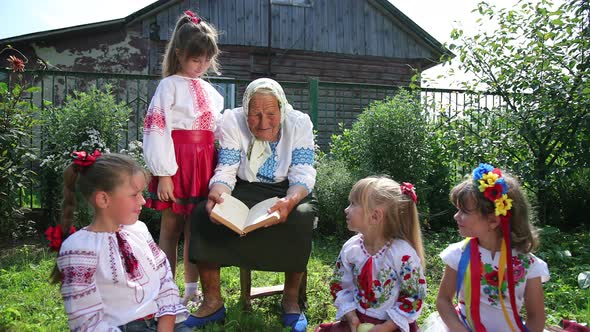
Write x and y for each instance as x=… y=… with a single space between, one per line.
x=538 y=61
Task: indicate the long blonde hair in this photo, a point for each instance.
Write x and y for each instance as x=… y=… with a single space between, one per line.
x=524 y=236
x=192 y=40
x=400 y=212
x=105 y=174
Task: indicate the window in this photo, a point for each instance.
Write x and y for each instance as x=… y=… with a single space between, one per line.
x=303 y=3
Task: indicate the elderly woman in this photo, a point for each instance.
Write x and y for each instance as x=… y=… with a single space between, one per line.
x=267 y=150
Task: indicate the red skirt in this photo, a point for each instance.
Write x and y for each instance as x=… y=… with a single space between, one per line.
x=342 y=326
x=196 y=158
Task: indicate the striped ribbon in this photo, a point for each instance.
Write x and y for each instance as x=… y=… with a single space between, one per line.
x=469 y=277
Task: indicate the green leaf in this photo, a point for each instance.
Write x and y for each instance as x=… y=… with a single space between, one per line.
x=584 y=279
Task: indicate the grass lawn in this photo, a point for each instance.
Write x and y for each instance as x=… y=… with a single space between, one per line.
x=29 y=303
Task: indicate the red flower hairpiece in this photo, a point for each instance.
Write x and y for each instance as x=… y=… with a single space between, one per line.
x=194 y=18
x=409 y=190
x=84 y=159
x=55 y=235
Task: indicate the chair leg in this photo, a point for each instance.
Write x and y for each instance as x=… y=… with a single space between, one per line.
x=303 y=292
x=245 y=285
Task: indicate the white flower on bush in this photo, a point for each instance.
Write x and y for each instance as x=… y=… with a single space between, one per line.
x=135 y=151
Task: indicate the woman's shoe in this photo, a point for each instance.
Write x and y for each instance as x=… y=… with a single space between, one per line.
x=297 y=321
x=198 y=322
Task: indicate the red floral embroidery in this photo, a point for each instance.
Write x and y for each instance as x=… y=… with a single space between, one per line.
x=405 y=304
x=492 y=278
x=204 y=120
x=405 y=258
x=155 y=120
x=334 y=289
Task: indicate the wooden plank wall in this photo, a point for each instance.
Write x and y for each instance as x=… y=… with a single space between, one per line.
x=243 y=63
x=352 y=27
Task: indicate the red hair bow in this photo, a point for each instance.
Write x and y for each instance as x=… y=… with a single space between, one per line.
x=55 y=235
x=84 y=159
x=194 y=18
x=409 y=190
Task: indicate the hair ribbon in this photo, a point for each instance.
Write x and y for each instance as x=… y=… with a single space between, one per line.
x=85 y=159
x=194 y=18
x=409 y=190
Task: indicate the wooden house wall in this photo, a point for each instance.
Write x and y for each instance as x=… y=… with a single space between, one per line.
x=352 y=27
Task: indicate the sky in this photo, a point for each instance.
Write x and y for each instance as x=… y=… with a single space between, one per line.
x=18 y=17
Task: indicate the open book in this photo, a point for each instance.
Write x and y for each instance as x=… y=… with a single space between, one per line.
x=235 y=215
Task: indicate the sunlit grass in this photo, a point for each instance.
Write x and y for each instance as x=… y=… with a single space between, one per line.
x=29 y=303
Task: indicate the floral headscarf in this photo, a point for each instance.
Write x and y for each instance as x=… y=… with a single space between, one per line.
x=259 y=150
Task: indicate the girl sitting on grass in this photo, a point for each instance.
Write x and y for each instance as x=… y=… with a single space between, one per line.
x=379 y=275
x=113 y=275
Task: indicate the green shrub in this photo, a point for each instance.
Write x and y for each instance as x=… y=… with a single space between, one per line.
x=17 y=116
x=86 y=121
x=395 y=137
x=334 y=182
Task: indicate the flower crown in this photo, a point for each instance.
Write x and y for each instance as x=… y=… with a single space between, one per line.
x=490 y=181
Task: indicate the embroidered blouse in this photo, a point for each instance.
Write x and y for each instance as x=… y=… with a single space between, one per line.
x=292 y=156
x=99 y=294
x=389 y=285
x=526 y=266
x=178 y=103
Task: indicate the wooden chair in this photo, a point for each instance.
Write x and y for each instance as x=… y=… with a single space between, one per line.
x=247 y=292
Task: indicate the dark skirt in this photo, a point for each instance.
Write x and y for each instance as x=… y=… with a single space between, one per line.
x=282 y=247
x=196 y=158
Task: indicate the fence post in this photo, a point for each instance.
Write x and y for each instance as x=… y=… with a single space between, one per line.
x=314 y=87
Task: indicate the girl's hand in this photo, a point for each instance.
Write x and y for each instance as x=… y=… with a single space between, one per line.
x=165 y=189
x=388 y=326
x=352 y=320
x=166 y=323
x=214 y=197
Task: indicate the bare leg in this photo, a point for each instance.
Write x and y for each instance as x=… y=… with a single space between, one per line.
x=191 y=273
x=211 y=286
x=291 y=292
x=170 y=230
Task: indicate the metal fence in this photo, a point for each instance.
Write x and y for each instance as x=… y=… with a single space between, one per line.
x=329 y=104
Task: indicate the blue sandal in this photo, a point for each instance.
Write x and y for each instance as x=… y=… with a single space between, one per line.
x=198 y=322
x=296 y=321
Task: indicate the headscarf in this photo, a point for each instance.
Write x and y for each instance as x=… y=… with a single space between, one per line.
x=259 y=151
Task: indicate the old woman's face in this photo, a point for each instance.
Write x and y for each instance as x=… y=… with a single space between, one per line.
x=264 y=117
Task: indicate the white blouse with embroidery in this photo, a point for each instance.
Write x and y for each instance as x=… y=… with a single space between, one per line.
x=100 y=295
x=178 y=103
x=526 y=266
x=292 y=156
x=397 y=284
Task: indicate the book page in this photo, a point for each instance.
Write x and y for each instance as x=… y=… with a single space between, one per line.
x=232 y=210
x=258 y=213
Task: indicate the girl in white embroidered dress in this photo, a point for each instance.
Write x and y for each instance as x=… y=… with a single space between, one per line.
x=379 y=274
x=112 y=273
x=178 y=138
x=476 y=218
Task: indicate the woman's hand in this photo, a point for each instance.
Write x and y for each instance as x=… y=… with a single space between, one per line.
x=165 y=189
x=214 y=197
x=284 y=207
x=286 y=204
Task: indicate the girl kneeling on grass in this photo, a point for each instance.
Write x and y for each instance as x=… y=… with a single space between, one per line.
x=493 y=213
x=113 y=275
x=379 y=275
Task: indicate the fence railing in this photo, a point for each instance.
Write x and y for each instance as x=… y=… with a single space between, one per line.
x=329 y=104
